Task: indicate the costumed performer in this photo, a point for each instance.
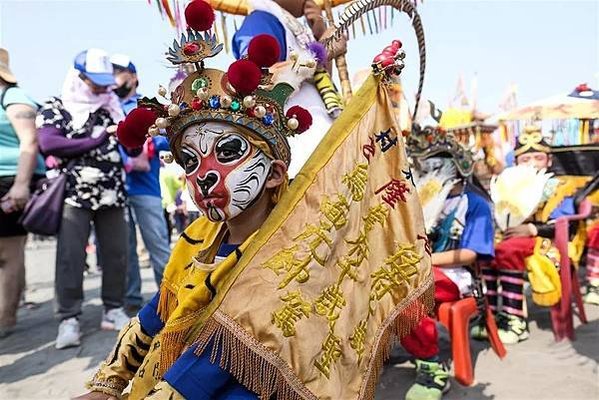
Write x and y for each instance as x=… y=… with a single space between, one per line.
x=532 y=206
x=253 y=301
x=459 y=225
x=280 y=19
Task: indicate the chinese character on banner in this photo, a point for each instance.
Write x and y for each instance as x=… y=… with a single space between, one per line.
x=368 y=150
x=335 y=211
x=286 y=261
x=385 y=140
x=356 y=181
x=395 y=191
x=409 y=175
x=331 y=352
x=329 y=302
x=316 y=235
x=294 y=309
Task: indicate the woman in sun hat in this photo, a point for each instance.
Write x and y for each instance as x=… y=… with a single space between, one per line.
x=20 y=165
x=73 y=128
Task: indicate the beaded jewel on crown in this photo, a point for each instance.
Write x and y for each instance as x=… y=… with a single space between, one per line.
x=430 y=141
x=246 y=95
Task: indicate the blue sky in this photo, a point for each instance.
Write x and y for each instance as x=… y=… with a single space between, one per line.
x=544 y=47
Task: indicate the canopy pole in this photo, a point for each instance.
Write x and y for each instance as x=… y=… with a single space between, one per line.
x=340 y=61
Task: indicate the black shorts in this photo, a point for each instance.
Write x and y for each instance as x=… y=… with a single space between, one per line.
x=9 y=225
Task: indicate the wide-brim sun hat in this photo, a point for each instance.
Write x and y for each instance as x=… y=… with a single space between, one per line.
x=5 y=72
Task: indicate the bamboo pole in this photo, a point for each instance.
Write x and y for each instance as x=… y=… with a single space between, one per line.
x=339 y=60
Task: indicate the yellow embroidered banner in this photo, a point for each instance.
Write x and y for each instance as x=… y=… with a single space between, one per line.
x=341 y=266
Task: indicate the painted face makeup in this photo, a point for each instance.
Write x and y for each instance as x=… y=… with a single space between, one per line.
x=433 y=164
x=225 y=173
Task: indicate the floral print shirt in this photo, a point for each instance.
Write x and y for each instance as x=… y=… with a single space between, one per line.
x=96 y=179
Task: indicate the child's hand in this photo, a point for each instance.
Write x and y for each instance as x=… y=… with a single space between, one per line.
x=525 y=230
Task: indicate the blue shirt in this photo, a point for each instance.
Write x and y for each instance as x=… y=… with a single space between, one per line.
x=141 y=183
x=478 y=234
x=193 y=376
x=259 y=22
x=477 y=222
x=130 y=103
x=9 y=141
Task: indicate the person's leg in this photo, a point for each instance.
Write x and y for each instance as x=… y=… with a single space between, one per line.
x=12 y=280
x=112 y=233
x=432 y=375
x=592 y=276
x=150 y=219
x=70 y=260
x=491 y=278
x=133 y=297
x=169 y=223
x=510 y=256
x=70 y=266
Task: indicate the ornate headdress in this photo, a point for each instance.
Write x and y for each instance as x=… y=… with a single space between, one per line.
x=531 y=141
x=429 y=141
x=247 y=95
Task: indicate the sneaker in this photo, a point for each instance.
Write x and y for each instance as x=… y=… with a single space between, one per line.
x=69 y=334
x=432 y=381
x=114 y=319
x=6 y=331
x=479 y=332
x=592 y=294
x=511 y=328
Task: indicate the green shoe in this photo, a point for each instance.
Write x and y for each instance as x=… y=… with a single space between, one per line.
x=432 y=381
x=511 y=328
x=479 y=332
x=592 y=294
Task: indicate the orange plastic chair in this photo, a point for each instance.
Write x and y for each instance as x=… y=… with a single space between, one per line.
x=562 y=314
x=456 y=316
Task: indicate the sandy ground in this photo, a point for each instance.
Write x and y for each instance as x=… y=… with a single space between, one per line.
x=30 y=367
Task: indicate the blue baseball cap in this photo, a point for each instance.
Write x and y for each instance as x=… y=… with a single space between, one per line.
x=124 y=62
x=95 y=65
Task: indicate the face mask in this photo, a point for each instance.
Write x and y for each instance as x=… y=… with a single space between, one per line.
x=225 y=173
x=438 y=164
x=123 y=90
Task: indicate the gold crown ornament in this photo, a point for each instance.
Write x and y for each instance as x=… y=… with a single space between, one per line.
x=430 y=141
x=248 y=94
x=531 y=141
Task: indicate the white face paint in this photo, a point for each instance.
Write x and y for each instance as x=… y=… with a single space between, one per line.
x=434 y=164
x=225 y=172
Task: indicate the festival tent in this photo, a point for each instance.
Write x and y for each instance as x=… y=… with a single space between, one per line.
x=563 y=106
x=566 y=119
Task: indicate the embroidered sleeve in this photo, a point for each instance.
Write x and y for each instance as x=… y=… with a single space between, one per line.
x=123 y=361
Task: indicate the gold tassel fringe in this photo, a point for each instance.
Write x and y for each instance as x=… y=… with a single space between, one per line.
x=406 y=319
x=265 y=374
x=167 y=302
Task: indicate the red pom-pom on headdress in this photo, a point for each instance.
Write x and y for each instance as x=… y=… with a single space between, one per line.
x=244 y=76
x=132 y=131
x=583 y=87
x=302 y=115
x=199 y=15
x=264 y=50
